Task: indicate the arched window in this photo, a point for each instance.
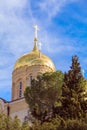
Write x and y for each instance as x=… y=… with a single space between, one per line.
x=20 y=90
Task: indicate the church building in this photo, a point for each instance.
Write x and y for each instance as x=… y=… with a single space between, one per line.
x=26 y=68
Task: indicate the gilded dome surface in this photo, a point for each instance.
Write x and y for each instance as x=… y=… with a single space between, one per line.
x=35 y=57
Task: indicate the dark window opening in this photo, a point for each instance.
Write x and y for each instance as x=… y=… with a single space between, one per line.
x=30 y=80
x=8 y=110
x=20 y=90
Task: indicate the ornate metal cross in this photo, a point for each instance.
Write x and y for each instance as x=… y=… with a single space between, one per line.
x=36 y=30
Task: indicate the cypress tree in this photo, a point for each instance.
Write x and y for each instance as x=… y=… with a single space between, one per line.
x=73 y=91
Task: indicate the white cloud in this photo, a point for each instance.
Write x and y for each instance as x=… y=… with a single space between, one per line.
x=13 y=26
x=57 y=44
x=10 y=4
x=16 y=37
x=53 y=7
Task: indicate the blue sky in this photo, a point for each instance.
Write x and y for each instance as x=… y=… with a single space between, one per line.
x=63 y=33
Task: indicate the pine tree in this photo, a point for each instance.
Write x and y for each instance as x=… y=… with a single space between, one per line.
x=43 y=94
x=73 y=91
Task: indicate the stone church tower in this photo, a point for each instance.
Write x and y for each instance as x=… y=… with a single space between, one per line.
x=26 y=68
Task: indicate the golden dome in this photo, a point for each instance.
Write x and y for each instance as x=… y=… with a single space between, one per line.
x=34 y=58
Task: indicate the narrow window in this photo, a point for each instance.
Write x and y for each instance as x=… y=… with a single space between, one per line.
x=20 y=90
x=8 y=110
x=30 y=79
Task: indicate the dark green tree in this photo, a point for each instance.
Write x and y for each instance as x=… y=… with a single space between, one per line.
x=73 y=91
x=43 y=94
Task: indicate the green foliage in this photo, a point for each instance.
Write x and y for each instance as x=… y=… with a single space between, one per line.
x=16 y=124
x=73 y=92
x=60 y=124
x=6 y=123
x=54 y=124
x=76 y=125
x=25 y=126
x=44 y=94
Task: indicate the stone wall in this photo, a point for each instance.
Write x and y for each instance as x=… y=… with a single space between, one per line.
x=23 y=74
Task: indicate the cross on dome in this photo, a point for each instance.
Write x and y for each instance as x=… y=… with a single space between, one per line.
x=36 y=30
x=40 y=45
x=35 y=38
